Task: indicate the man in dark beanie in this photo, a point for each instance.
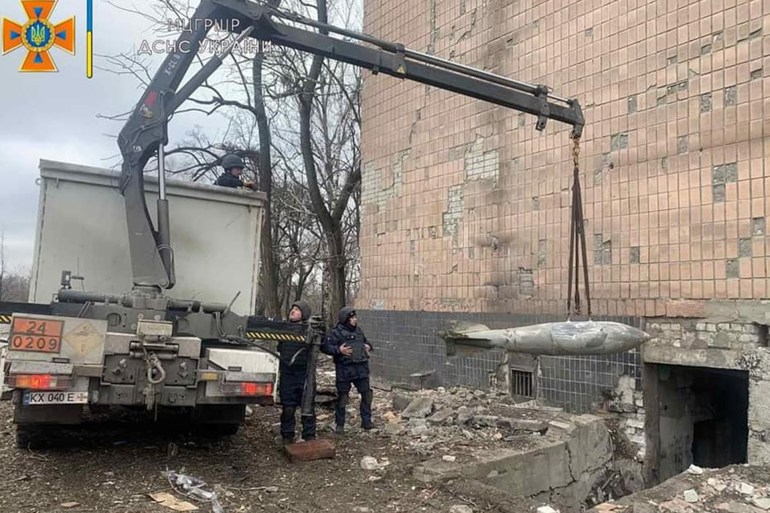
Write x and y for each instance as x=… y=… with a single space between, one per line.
x=293 y=374
x=350 y=349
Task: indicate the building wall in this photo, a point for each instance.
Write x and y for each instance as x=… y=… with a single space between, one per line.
x=465 y=204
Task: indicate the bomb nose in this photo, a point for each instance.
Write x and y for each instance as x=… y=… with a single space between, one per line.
x=633 y=336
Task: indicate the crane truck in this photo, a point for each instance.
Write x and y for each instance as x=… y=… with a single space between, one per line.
x=144 y=348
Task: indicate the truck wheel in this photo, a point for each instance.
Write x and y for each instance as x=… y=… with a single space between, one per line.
x=222 y=429
x=229 y=418
x=30 y=437
x=23 y=437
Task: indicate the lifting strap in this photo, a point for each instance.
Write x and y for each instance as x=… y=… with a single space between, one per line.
x=577 y=241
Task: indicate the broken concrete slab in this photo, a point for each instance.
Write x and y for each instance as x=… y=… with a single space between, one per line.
x=590 y=446
x=532 y=425
x=464 y=414
x=737 y=507
x=518 y=472
x=394 y=429
x=568 y=460
x=564 y=426
x=691 y=496
x=441 y=416
x=420 y=407
x=726 y=490
x=542 y=464
x=400 y=401
x=484 y=420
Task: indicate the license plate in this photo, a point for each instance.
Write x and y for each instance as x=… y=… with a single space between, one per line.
x=36 y=335
x=33 y=398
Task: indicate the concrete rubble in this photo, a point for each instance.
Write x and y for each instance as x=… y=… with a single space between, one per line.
x=541 y=454
x=733 y=489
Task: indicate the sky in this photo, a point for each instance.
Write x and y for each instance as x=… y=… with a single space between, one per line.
x=56 y=116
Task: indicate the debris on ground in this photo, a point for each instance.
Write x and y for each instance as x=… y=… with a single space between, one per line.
x=193 y=488
x=457 y=450
x=171 y=502
x=732 y=489
x=369 y=463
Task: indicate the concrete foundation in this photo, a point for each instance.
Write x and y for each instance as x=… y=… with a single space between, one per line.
x=560 y=467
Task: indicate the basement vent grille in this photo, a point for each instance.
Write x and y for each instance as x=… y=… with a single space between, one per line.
x=522 y=383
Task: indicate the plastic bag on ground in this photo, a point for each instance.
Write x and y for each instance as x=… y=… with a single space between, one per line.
x=193 y=488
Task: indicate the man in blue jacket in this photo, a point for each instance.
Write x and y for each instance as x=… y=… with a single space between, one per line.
x=350 y=349
x=293 y=375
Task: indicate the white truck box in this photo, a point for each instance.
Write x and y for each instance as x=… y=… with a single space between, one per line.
x=215 y=235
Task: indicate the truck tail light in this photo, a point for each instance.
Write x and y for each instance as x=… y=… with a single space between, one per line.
x=247 y=389
x=39 y=381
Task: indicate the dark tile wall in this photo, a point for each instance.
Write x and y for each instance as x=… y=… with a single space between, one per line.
x=406 y=343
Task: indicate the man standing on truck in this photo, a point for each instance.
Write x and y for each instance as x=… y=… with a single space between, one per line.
x=233 y=165
x=350 y=349
x=292 y=378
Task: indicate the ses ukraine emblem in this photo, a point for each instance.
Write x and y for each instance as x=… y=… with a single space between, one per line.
x=38 y=35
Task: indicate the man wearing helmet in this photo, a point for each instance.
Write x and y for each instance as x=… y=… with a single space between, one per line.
x=350 y=349
x=233 y=166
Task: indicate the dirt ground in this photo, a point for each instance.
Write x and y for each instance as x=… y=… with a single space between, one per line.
x=113 y=467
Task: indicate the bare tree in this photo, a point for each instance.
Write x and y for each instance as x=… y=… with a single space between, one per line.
x=269 y=267
x=320 y=134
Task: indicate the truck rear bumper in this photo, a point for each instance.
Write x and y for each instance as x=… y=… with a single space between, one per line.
x=171 y=396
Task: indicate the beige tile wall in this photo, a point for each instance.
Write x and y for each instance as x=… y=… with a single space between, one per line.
x=466 y=205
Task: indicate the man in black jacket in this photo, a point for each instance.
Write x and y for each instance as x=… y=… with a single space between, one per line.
x=293 y=375
x=350 y=349
x=233 y=166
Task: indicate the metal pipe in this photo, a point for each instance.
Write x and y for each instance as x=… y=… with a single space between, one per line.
x=162 y=170
x=164 y=225
x=186 y=304
x=77 y=296
x=308 y=394
x=468 y=70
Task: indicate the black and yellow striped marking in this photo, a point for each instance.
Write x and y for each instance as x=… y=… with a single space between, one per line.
x=281 y=337
x=5 y=319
